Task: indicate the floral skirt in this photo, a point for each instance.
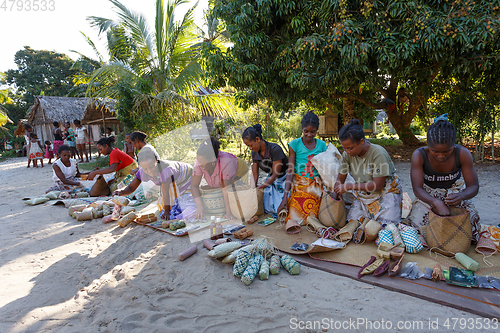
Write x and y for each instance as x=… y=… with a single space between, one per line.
x=60 y=186
x=419 y=216
x=273 y=196
x=305 y=199
x=384 y=206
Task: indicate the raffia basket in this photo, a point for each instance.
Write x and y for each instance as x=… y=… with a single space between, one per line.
x=213 y=201
x=449 y=234
x=244 y=202
x=332 y=213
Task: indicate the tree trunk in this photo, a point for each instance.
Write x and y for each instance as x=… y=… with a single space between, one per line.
x=348 y=110
x=402 y=122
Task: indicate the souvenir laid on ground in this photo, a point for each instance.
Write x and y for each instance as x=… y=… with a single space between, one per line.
x=126 y=220
x=371 y=230
x=411 y=241
x=267 y=221
x=76 y=208
x=437 y=273
x=467 y=262
x=264 y=270
x=396 y=267
x=325 y=244
x=252 y=269
x=290 y=265
x=396 y=235
x=382 y=269
x=188 y=253
x=274 y=266
x=373 y=266
x=345 y=234
x=230 y=229
x=253 y=219
x=385 y=236
x=406 y=206
x=243 y=233
x=370 y=261
x=36 y=201
x=461 y=277
x=118 y=200
x=411 y=271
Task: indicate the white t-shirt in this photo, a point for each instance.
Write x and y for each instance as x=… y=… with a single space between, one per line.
x=80 y=134
x=67 y=171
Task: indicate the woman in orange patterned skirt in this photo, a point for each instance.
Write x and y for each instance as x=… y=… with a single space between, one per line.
x=307 y=188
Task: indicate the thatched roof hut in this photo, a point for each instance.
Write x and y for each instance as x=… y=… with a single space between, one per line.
x=92 y=112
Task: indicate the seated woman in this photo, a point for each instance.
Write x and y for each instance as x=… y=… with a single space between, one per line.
x=307 y=188
x=219 y=170
x=270 y=158
x=377 y=187
x=138 y=140
x=436 y=177
x=119 y=162
x=65 y=171
x=174 y=179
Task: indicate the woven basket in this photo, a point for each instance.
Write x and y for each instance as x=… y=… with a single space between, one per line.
x=243 y=202
x=449 y=235
x=332 y=213
x=213 y=201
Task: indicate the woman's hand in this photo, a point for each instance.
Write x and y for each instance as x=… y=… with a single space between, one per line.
x=117 y=192
x=199 y=213
x=453 y=199
x=165 y=215
x=134 y=171
x=92 y=175
x=440 y=208
x=229 y=216
x=341 y=189
x=284 y=204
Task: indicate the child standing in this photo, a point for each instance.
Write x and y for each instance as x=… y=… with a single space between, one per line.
x=36 y=151
x=128 y=147
x=48 y=151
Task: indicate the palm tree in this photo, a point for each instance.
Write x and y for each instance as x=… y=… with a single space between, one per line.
x=4 y=98
x=155 y=75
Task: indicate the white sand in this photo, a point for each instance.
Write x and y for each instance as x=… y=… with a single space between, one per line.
x=61 y=275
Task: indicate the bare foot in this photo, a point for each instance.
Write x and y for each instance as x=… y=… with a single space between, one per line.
x=81 y=161
x=87 y=161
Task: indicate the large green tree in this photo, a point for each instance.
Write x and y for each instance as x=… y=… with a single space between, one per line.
x=40 y=70
x=154 y=74
x=322 y=50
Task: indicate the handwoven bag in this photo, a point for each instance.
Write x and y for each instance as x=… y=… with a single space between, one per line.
x=411 y=241
x=449 y=234
x=100 y=188
x=213 y=201
x=332 y=213
x=243 y=202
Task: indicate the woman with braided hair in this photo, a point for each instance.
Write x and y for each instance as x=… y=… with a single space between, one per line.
x=443 y=175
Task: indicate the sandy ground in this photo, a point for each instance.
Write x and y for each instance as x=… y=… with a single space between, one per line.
x=66 y=276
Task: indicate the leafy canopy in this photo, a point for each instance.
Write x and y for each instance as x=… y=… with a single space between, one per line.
x=40 y=71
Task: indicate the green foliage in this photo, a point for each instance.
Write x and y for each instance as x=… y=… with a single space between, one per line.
x=387 y=142
x=40 y=70
x=101 y=162
x=316 y=51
